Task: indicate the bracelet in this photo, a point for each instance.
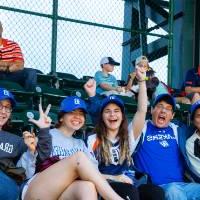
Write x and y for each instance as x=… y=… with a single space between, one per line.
x=7 y=69
x=145 y=79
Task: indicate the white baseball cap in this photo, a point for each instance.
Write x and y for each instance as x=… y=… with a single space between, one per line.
x=109 y=60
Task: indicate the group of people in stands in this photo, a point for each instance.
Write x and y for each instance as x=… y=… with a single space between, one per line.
x=153 y=159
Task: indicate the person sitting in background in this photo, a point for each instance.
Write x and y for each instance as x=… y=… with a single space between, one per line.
x=192 y=84
x=154 y=86
x=107 y=83
x=12 y=64
x=193 y=142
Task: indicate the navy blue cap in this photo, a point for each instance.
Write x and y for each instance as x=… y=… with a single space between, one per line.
x=194 y=107
x=72 y=103
x=112 y=99
x=109 y=60
x=167 y=98
x=5 y=94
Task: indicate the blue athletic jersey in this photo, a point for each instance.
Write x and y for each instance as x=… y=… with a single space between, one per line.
x=159 y=155
x=113 y=168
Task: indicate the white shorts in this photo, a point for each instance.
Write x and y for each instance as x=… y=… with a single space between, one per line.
x=25 y=188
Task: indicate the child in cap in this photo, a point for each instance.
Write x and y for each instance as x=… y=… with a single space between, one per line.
x=112 y=141
x=12 y=148
x=106 y=83
x=154 y=86
x=58 y=181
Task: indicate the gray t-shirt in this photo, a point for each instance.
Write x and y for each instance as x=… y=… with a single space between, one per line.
x=65 y=146
x=194 y=161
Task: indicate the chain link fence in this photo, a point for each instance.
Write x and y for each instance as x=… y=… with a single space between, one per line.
x=72 y=36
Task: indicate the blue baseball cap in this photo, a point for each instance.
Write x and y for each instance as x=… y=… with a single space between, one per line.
x=112 y=99
x=5 y=94
x=167 y=98
x=72 y=103
x=194 y=107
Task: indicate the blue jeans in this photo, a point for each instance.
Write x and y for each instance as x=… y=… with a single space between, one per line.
x=181 y=191
x=9 y=190
x=27 y=78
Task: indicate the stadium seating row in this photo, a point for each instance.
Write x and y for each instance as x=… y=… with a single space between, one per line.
x=51 y=89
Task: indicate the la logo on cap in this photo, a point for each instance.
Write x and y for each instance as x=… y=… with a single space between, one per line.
x=112 y=97
x=6 y=93
x=77 y=101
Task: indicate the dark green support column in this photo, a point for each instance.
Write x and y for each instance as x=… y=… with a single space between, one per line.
x=170 y=41
x=54 y=36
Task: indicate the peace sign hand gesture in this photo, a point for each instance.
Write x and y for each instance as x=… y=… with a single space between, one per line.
x=44 y=121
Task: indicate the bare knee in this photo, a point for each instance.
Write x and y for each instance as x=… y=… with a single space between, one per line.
x=87 y=191
x=88 y=187
x=75 y=159
x=79 y=158
x=80 y=190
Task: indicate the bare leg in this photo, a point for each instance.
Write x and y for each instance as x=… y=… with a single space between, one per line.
x=184 y=100
x=195 y=98
x=80 y=190
x=53 y=181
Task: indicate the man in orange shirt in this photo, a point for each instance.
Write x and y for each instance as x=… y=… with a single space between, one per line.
x=12 y=64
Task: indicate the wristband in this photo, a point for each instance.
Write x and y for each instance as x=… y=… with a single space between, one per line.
x=7 y=69
x=145 y=79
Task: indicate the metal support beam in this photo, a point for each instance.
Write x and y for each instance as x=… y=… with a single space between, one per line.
x=170 y=41
x=54 y=36
x=142 y=25
x=197 y=35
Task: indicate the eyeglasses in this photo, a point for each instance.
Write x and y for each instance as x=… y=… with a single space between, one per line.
x=7 y=109
x=161 y=107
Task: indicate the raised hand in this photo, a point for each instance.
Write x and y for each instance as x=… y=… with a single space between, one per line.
x=30 y=140
x=140 y=73
x=90 y=87
x=44 y=121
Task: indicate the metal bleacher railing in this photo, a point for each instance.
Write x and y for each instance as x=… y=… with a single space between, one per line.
x=66 y=40
x=72 y=36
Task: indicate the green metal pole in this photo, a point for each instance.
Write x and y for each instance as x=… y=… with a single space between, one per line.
x=170 y=41
x=54 y=36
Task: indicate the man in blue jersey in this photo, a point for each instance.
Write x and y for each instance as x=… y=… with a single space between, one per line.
x=161 y=151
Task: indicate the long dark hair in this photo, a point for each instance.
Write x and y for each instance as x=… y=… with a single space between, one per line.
x=103 y=148
x=60 y=115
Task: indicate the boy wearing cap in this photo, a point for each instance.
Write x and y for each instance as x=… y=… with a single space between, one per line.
x=160 y=151
x=107 y=83
x=193 y=142
x=12 y=148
